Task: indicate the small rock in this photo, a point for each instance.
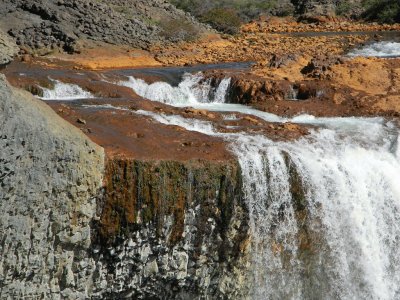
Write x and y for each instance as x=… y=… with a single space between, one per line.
x=81 y=121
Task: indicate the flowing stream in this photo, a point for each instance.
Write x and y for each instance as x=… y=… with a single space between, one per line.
x=325 y=209
x=385 y=49
x=65 y=92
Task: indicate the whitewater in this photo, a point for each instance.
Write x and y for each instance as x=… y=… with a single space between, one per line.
x=324 y=209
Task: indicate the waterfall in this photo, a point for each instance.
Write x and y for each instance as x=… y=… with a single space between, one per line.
x=193 y=89
x=379 y=49
x=324 y=209
x=65 y=91
x=343 y=243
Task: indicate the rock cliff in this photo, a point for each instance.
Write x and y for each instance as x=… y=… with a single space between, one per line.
x=177 y=229
x=77 y=225
x=50 y=176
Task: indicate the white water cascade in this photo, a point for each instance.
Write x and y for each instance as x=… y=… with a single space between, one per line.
x=65 y=91
x=193 y=89
x=325 y=209
x=379 y=49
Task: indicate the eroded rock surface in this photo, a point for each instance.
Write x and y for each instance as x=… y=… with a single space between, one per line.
x=50 y=176
x=43 y=26
x=137 y=228
x=7 y=49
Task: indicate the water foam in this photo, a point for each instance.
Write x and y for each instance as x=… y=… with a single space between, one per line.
x=65 y=91
x=343 y=243
x=380 y=49
x=193 y=89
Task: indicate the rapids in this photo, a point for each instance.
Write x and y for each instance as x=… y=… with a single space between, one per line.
x=193 y=89
x=378 y=49
x=64 y=92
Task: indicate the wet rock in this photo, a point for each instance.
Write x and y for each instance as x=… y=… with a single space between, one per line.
x=172 y=228
x=81 y=121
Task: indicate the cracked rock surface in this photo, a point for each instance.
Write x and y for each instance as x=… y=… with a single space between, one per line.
x=50 y=175
x=7 y=48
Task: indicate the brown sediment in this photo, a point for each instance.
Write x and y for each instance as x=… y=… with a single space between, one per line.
x=142 y=192
x=109 y=57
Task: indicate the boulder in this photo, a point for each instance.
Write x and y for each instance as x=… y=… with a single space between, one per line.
x=7 y=49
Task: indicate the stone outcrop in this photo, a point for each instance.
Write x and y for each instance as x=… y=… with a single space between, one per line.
x=74 y=225
x=44 y=26
x=50 y=176
x=177 y=229
x=7 y=49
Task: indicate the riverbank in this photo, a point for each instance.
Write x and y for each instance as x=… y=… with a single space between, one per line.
x=316 y=67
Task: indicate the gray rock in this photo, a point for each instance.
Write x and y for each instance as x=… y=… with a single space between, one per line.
x=44 y=219
x=44 y=25
x=8 y=48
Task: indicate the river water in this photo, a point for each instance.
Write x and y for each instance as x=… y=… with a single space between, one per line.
x=325 y=209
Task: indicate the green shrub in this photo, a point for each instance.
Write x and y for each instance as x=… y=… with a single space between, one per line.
x=224 y=20
x=226 y=15
x=343 y=8
x=387 y=11
x=178 y=29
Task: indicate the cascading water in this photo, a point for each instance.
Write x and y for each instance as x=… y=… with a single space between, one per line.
x=193 y=89
x=65 y=91
x=379 y=49
x=324 y=209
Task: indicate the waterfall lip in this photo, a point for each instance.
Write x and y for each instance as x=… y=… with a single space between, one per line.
x=338 y=124
x=350 y=129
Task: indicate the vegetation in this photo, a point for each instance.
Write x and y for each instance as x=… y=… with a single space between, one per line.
x=385 y=11
x=178 y=29
x=226 y=15
x=225 y=20
x=344 y=7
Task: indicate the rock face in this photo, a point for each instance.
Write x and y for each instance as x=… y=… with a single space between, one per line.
x=7 y=48
x=49 y=25
x=50 y=176
x=74 y=227
x=177 y=229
